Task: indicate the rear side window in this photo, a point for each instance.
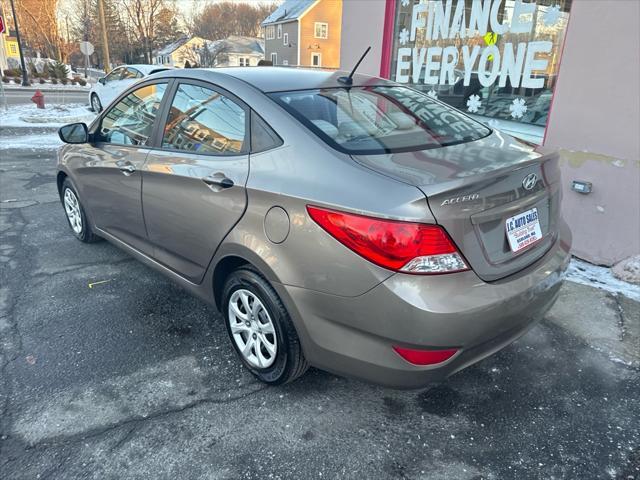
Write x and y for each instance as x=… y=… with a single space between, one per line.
x=380 y=119
x=202 y=120
x=262 y=135
x=130 y=121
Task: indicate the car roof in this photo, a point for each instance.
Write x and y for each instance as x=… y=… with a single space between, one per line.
x=145 y=68
x=278 y=79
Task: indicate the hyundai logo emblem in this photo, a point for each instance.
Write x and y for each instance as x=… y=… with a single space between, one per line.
x=530 y=181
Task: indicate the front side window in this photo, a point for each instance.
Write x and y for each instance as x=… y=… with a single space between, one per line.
x=130 y=73
x=114 y=75
x=130 y=121
x=379 y=119
x=202 y=120
x=321 y=30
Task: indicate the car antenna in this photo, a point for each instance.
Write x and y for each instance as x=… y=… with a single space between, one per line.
x=349 y=80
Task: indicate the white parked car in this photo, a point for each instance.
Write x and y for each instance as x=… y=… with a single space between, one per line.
x=118 y=79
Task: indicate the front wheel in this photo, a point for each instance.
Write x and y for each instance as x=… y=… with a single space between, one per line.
x=260 y=328
x=96 y=105
x=75 y=214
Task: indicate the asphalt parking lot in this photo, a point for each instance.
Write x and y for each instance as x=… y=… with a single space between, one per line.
x=133 y=378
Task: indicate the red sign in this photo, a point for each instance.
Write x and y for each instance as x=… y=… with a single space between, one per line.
x=1 y=24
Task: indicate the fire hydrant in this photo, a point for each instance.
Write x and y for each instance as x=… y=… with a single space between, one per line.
x=38 y=99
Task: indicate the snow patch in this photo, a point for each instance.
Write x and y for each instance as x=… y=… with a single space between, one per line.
x=600 y=277
x=31 y=143
x=51 y=116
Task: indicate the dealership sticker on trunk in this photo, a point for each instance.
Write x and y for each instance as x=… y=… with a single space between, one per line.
x=523 y=229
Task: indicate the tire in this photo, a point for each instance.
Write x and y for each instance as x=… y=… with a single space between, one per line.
x=288 y=362
x=96 y=104
x=76 y=216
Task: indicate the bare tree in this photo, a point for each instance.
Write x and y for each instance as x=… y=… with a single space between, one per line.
x=144 y=17
x=220 y=20
x=214 y=53
x=39 y=26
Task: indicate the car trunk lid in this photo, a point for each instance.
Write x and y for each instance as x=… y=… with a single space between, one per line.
x=473 y=188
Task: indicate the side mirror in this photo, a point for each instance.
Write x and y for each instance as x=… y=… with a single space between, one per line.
x=74 y=133
x=102 y=80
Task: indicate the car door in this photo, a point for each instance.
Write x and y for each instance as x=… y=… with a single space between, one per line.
x=111 y=176
x=193 y=182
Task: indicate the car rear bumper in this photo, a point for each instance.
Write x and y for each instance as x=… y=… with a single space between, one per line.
x=354 y=336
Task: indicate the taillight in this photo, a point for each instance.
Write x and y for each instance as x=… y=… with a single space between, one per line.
x=401 y=246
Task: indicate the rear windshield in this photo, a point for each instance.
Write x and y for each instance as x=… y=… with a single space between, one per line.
x=382 y=119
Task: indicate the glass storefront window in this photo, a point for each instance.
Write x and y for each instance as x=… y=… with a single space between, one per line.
x=494 y=59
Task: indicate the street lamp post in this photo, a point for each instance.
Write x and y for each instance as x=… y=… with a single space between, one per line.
x=25 y=82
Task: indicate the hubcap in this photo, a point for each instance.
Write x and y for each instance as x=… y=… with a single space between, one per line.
x=96 y=104
x=252 y=329
x=72 y=207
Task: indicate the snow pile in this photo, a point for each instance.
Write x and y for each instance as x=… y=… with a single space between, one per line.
x=628 y=270
x=600 y=277
x=50 y=116
x=31 y=143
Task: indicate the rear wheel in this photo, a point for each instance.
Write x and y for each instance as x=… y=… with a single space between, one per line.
x=260 y=328
x=96 y=105
x=75 y=214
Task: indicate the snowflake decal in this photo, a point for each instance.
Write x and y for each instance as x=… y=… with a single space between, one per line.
x=551 y=16
x=432 y=93
x=405 y=3
x=518 y=108
x=404 y=36
x=474 y=103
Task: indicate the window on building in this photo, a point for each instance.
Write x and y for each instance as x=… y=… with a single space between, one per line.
x=274 y=58
x=316 y=59
x=285 y=39
x=244 y=61
x=321 y=30
x=202 y=120
x=285 y=62
x=130 y=121
x=13 y=49
x=507 y=77
x=270 y=32
x=279 y=31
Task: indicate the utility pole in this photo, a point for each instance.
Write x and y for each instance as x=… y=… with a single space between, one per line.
x=105 y=45
x=25 y=82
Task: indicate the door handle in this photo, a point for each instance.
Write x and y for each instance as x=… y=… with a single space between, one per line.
x=218 y=180
x=127 y=168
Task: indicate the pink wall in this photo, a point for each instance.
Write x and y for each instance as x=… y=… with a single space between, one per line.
x=362 y=26
x=595 y=119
